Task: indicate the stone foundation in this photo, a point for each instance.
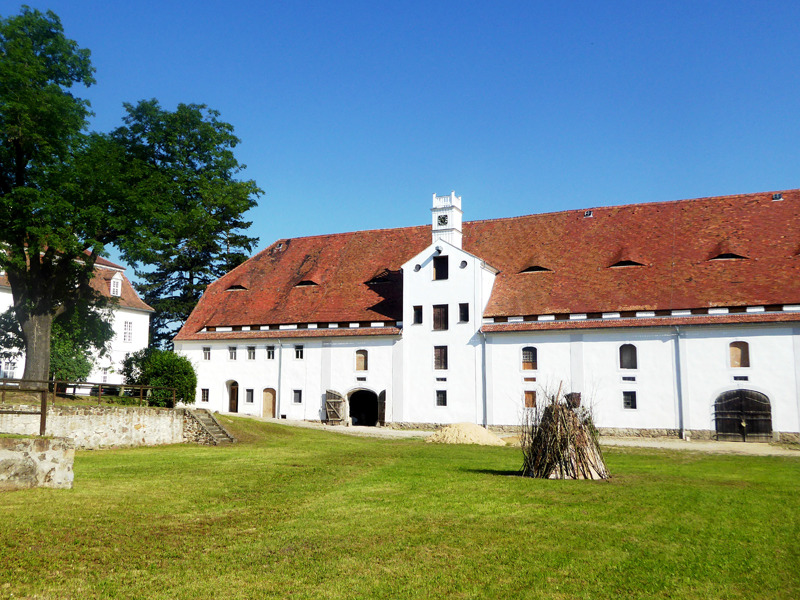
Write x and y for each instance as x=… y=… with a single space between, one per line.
x=194 y=432
x=36 y=462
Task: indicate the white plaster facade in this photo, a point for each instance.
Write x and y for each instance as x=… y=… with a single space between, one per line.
x=680 y=369
x=130 y=321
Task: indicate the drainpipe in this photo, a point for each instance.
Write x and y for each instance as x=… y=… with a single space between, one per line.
x=679 y=383
x=278 y=391
x=483 y=380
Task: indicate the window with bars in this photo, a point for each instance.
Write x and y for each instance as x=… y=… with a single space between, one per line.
x=270 y=352
x=251 y=353
x=206 y=352
x=127 y=331
x=440 y=268
x=440 y=317
x=627 y=357
x=362 y=360
x=204 y=395
x=740 y=354
x=440 y=357
x=529 y=358
x=441 y=398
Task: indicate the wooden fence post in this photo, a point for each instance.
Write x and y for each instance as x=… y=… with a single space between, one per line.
x=43 y=418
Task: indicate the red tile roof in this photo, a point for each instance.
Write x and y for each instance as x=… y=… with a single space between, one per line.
x=674 y=242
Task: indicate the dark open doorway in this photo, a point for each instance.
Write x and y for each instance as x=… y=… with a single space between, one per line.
x=233 y=397
x=743 y=416
x=364 y=408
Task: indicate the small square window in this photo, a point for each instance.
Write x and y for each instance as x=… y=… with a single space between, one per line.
x=251 y=353
x=417 y=315
x=297 y=396
x=206 y=352
x=248 y=396
x=440 y=267
x=298 y=352
x=204 y=395
x=270 y=352
x=441 y=398
x=463 y=312
x=629 y=400
x=232 y=352
x=530 y=399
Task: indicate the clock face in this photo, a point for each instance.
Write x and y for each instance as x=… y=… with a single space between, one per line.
x=442 y=220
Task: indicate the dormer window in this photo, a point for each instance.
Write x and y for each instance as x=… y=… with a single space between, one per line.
x=236 y=288
x=536 y=269
x=625 y=263
x=306 y=283
x=728 y=256
x=116 y=286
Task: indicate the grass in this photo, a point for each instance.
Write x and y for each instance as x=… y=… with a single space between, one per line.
x=308 y=514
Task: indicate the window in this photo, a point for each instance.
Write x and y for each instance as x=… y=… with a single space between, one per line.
x=298 y=352
x=204 y=395
x=206 y=352
x=629 y=400
x=116 y=287
x=417 y=315
x=530 y=399
x=270 y=352
x=463 y=312
x=627 y=357
x=441 y=398
x=440 y=357
x=440 y=317
x=251 y=353
x=248 y=396
x=232 y=352
x=529 y=362
x=362 y=358
x=104 y=378
x=440 y=267
x=740 y=354
x=127 y=332
x=297 y=396
x=9 y=369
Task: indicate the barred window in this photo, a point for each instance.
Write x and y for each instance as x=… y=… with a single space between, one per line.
x=204 y=395
x=529 y=358
x=629 y=400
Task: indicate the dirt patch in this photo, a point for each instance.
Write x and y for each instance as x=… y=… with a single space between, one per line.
x=465 y=433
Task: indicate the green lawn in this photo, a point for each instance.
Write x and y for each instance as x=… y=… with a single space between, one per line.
x=307 y=514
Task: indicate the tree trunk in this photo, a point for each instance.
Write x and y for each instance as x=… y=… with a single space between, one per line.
x=36 y=335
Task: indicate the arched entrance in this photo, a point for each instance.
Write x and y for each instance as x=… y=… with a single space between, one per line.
x=743 y=416
x=268 y=403
x=233 y=396
x=364 y=408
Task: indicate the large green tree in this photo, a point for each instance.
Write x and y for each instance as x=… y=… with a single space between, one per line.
x=66 y=195
x=190 y=151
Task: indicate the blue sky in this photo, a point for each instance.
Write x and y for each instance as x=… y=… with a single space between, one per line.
x=351 y=114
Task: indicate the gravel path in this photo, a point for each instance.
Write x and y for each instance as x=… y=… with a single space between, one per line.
x=664 y=443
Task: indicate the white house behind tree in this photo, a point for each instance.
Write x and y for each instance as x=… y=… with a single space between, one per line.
x=130 y=321
x=671 y=317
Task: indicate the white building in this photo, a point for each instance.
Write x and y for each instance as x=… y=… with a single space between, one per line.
x=676 y=317
x=130 y=321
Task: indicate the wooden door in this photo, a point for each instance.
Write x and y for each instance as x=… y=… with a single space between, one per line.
x=233 y=398
x=743 y=416
x=268 y=406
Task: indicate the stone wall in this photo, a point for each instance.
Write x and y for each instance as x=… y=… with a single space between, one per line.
x=91 y=427
x=36 y=462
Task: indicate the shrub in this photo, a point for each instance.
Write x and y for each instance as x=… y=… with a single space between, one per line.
x=161 y=368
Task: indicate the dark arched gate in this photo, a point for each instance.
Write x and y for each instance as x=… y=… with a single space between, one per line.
x=743 y=416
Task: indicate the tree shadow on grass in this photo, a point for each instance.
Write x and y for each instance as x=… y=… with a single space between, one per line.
x=500 y=472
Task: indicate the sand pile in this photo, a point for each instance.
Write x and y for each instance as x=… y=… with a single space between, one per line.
x=465 y=433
